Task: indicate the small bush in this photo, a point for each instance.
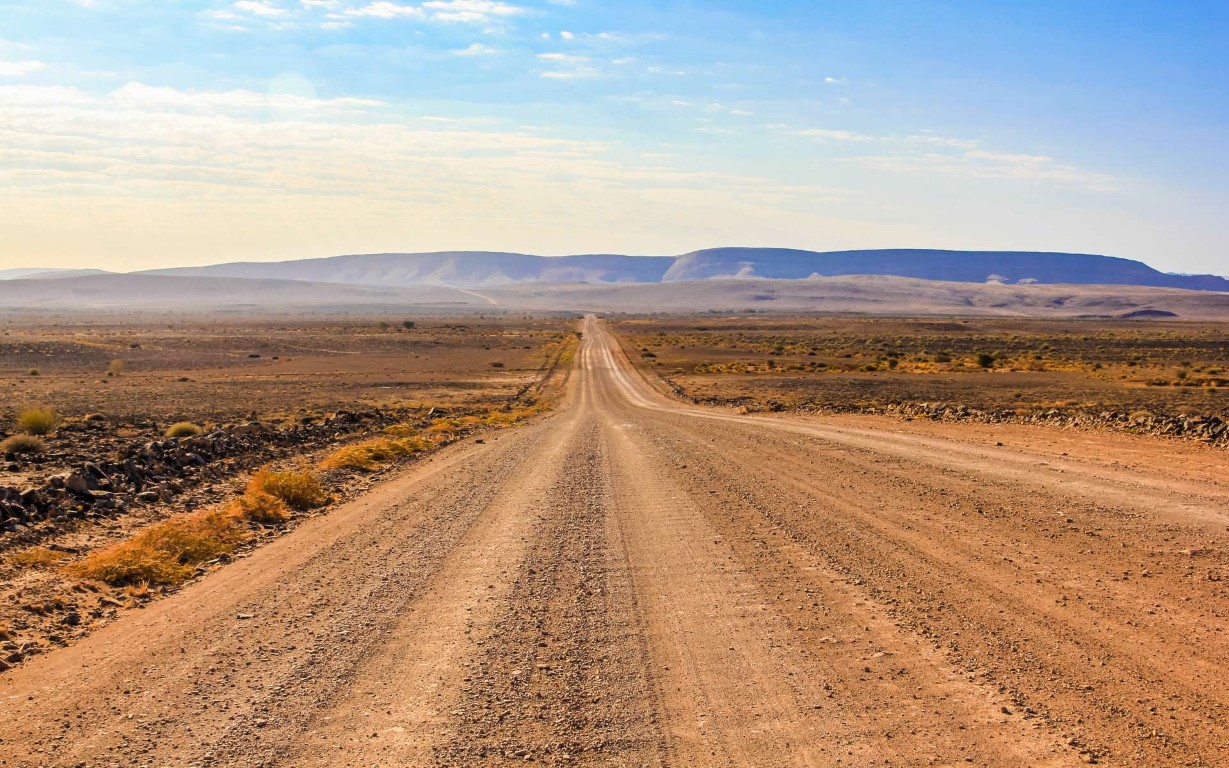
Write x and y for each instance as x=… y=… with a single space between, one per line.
x=183 y=429
x=166 y=552
x=261 y=507
x=23 y=444
x=32 y=372
x=497 y=364
x=115 y=367
x=299 y=489
x=37 y=557
x=407 y=324
x=370 y=455
x=985 y=360
x=37 y=421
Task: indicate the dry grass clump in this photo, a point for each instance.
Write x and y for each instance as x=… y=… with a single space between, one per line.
x=183 y=429
x=22 y=444
x=166 y=552
x=37 y=421
x=263 y=508
x=37 y=557
x=370 y=455
x=299 y=489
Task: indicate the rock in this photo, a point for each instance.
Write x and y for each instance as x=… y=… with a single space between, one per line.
x=76 y=483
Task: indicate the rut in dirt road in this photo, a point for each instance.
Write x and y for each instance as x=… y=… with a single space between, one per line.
x=634 y=582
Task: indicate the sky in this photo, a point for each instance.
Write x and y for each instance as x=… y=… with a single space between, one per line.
x=137 y=134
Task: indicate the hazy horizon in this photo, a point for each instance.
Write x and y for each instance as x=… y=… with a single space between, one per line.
x=141 y=135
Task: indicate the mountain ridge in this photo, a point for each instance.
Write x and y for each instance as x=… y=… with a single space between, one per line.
x=484 y=269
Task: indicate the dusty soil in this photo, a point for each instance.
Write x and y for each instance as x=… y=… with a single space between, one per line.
x=634 y=581
x=1164 y=367
x=216 y=370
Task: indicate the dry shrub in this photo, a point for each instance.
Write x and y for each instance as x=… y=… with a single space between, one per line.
x=370 y=455
x=183 y=429
x=261 y=507
x=37 y=421
x=444 y=425
x=511 y=416
x=22 y=444
x=37 y=557
x=300 y=489
x=166 y=552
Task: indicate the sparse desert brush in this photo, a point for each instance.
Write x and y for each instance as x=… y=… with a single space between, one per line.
x=32 y=372
x=183 y=429
x=300 y=489
x=500 y=417
x=22 y=444
x=37 y=421
x=261 y=507
x=115 y=367
x=444 y=424
x=166 y=552
x=372 y=454
x=37 y=557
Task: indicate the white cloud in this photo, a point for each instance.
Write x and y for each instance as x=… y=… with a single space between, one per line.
x=258 y=8
x=470 y=11
x=458 y=11
x=476 y=49
x=994 y=166
x=834 y=80
x=140 y=163
x=140 y=95
x=20 y=68
x=826 y=134
x=930 y=153
x=386 y=10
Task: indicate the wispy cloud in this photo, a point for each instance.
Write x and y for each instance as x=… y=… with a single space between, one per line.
x=12 y=69
x=459 y=11
x=950 y=156
x=476 y=49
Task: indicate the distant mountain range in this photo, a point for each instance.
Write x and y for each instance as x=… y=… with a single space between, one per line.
x=484 y=269
x=728 y=279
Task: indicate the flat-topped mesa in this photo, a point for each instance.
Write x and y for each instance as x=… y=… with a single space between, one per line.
x=476 y=269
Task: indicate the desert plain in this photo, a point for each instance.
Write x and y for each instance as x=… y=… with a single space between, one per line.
x=518 y=538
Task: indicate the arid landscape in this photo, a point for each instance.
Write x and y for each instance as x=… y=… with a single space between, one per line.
x=671 y=384
x=646 y=541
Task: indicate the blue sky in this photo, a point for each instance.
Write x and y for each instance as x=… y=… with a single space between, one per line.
x=137 y=134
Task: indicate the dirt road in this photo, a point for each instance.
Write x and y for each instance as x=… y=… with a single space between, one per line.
x=632 y=582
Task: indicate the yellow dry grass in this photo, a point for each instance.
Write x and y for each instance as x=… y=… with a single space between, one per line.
x=299 y=489
x=37 y=421
x=183 y=429
x=166 y=552
x=261 y=507
x=37 y=557
x=370 y=455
